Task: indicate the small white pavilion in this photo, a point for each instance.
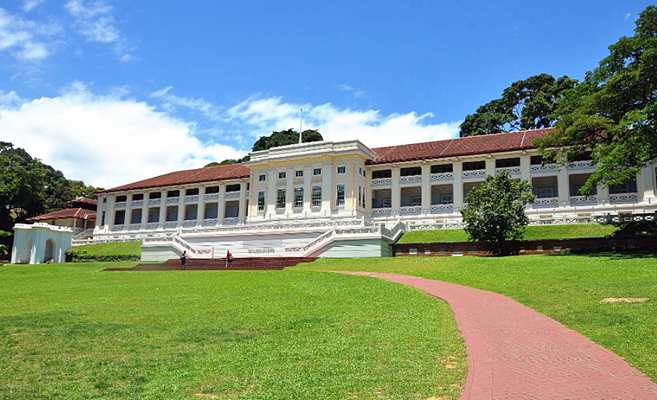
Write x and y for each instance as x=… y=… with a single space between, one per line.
x=40 y=243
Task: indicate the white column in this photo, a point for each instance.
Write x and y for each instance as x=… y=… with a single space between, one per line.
x=602 y=193
x=457 y=185
x=144 y=209
x=426 y=189
x=490 y=167
x=99 y=212
x=163 y=210
x=109 y=217
x=200 y=216
x=181 y=207
x=564 y=187
x=270 y=199
x=525 y=168
x=395 y=195
x=221 y=204
x=327 y=189
x=289 y=190
x=127 y=220
x=242 y=209
x=646 y=185
x=307 y=189
x=252 y=211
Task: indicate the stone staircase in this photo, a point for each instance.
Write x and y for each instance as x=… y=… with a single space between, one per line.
x=205 y=264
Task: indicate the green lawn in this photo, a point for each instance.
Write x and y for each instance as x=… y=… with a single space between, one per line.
x=71 y=331
x=130 y=249
x=534 y=232
x=566 y=288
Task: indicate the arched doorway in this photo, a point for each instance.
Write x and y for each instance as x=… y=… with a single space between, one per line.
x=50 y=250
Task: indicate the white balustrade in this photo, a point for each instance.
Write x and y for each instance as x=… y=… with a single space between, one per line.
x=474 y=174
x=514 y=172
x=189 y=223
x=210 y=222
x=546 y=202
x=134 y=227
x=378 y=182
x=442 y=208
x=576 y=201
x=136 y=203
x=170 y=224
x=191 y=198
x=580 y=165
x=412 y=179
x=151 y=225
x=442 y=177
x=620 y=198
x=211 y=196
x=120 y=204
x=232 y=195
x=381 y=212
x=410 y=210
x=154 y=202
x=172 y=200
x=544 y=169
x=230 y=221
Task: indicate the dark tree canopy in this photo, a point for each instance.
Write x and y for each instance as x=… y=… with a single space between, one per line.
x=613 y=112
x=288 y=136
x=277 y=138
x=495 y=211
x=29 y=187
x=526 y=104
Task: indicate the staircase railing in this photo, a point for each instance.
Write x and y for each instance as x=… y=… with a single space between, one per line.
x=183 y=245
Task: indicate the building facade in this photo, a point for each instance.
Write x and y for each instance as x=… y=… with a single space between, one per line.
x=345 y=199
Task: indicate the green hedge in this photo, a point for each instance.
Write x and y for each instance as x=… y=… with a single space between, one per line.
x=117 y=251
x=534 y=232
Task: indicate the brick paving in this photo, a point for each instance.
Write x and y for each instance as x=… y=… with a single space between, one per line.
x=516 y=353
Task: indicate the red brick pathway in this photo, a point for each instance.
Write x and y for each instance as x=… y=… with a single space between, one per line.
x=517 y=353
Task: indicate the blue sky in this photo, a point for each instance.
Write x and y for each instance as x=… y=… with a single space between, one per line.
x=113 y=91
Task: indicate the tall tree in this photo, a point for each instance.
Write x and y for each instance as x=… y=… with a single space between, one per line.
x=495 y=211
x=526 y=104
x=29 y=187
x=288 y=136
x=277 y=138
x=613 y=112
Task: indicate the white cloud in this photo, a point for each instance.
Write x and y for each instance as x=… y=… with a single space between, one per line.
x=96 y=22
x=29 y=5
x=369 y=126
x=357 y=93
x=25 y=40
x=104 y=140
x=171 y=101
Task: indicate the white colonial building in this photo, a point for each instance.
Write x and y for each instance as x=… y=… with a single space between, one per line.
x=345 y=199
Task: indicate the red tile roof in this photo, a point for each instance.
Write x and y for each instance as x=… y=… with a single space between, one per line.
x=470 y=145
x=198 y=175
x=80 y=213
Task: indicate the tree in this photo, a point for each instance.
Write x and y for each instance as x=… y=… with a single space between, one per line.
x=29 y=187
x=613 y=112
x=277 y=138
x=288 y=136
x=495 y=211
x=526 y=104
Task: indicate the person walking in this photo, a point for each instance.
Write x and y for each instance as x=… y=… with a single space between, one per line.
x=183 y=259
x=229 y=258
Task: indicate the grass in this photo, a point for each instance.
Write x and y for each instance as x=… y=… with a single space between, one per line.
x=126 y=249
x=534 y=232
x=71 y=331
x=566 y=288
